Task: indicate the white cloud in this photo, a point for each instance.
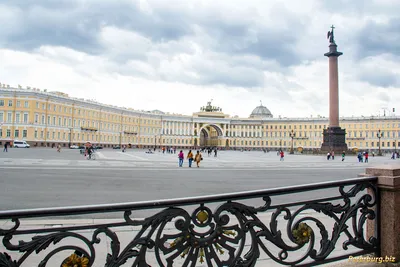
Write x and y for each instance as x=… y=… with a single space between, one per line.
x=176 y=55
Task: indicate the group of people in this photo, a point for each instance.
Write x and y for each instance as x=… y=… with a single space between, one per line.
x=210 y=150
x=330 y=155
x=197 y=158
x=170 y=150
x=363 y=157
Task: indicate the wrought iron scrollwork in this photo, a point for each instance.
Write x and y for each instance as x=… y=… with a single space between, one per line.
x=232 y=234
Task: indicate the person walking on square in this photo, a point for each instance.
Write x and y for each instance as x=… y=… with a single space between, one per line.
x=282 y=154
x=190 y=158
x=215 y=152
x=343 y=155
x=5 y=147
x=198 y=158
x=58 y=148
x=333 y=155
x=181 y=157
x=366 y=157
x=328 y=156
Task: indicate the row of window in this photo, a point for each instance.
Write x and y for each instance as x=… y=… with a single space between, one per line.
x=10 y=103
x=16 y=133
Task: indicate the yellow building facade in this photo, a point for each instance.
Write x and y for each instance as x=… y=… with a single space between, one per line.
x=49 y=118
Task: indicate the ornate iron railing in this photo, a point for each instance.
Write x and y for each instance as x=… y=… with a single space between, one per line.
x=215 y=230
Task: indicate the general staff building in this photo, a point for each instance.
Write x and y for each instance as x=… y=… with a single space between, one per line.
x=44 y=118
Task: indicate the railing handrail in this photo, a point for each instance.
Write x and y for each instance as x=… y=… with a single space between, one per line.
x=186 y=201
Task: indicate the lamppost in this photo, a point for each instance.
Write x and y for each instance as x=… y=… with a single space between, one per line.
x=292 y=134
x=70 y=137
x=379 y=135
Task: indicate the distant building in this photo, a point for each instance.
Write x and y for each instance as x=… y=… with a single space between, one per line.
x=45 y=118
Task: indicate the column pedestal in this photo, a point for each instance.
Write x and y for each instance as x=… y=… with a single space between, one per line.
x=334 y=140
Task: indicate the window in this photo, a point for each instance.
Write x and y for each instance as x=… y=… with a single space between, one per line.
x=17 y=117
x=24 y=133
x=1 y=117
x=16 y=133
x=35 y=134
x=26 y=104
x=48 y=135
x=25 y=118
x=36 y=118
x=9 y=117
x=41 y=134
x=8 y=132
x=55 y=108
x=10 y=103
x=37 y=104
x=54 y=120
x=43 y=120
x=18 y=104
x=1 y=103
x=43 y=106
x=59 y=121
x=48 y=120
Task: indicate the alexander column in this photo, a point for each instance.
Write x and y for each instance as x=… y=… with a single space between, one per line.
x=334 y=136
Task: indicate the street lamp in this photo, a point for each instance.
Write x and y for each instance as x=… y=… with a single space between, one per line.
x=292 y=134
x=70 y=137
x=379 y=135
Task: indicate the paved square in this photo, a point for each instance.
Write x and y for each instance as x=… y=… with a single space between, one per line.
x=41 y=177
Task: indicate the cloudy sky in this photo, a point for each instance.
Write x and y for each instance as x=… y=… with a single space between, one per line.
x=175 y=55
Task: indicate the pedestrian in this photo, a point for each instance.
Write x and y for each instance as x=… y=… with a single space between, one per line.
x=366 y=157
x=58 y=148
x=282 y=154
x=5 y=147
x=373 y=154
x=181 y=156
x=333 y=155
x=190 y=158
x=328 y=156
x=343 y=155
x=198 y=158
x=215 y=152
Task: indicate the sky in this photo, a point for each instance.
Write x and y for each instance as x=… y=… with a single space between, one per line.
x=176 y=55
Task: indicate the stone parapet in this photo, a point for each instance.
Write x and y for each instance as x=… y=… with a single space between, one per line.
x=389 y=209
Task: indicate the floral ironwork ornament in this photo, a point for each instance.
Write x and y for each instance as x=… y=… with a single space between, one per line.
x=75 y=261
x=302 y=233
